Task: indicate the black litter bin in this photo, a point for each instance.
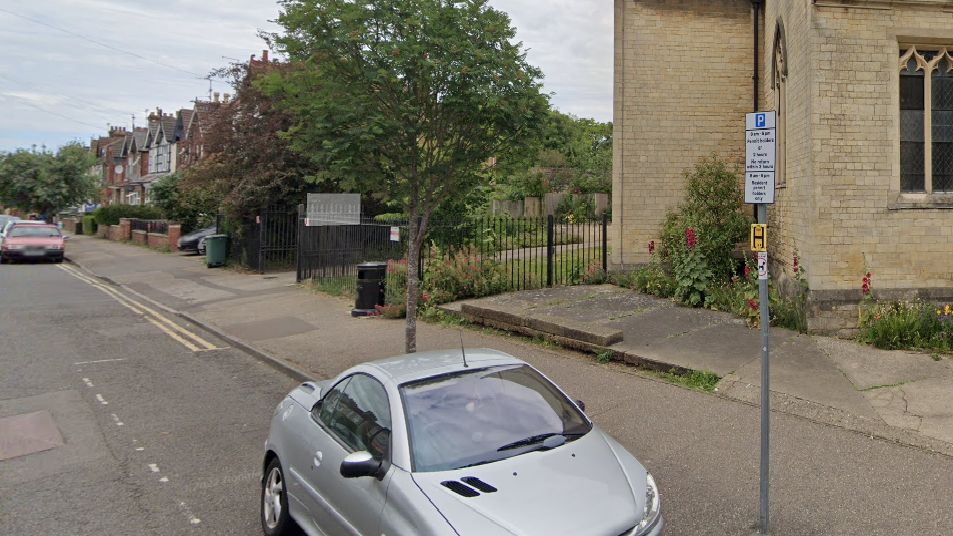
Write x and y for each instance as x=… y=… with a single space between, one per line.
x=371 y=285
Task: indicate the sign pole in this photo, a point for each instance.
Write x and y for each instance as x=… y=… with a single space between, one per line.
x=765 y=391
x=760 y=152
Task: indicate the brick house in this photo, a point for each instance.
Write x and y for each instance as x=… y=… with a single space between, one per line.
x=864 y=96
x=191 y=145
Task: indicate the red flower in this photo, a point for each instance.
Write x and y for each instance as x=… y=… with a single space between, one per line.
x=752 y=304
x=747 y=271
x=690 y=239
x=651 y=247
x=796 y=265
x=425 y=297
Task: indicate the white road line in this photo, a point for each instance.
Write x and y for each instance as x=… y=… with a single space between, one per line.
x=101 y=399
x=87 y=382
x=140 y=449
x=164 y=479
x=154 y=468
x=116 y=420
x=97 y=361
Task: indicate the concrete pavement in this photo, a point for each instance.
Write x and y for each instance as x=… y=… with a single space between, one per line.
x=903 y=396
x=702 y=448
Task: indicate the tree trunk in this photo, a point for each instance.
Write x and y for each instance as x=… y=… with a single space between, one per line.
x=413 y=281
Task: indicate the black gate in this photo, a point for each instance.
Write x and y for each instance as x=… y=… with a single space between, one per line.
x=267 y=241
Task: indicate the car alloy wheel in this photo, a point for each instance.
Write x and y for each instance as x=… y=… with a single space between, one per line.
x=274 y=502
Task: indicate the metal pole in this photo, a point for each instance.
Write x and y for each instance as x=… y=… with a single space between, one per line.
x=605 y=243
x=550 y=239
x=765 y=387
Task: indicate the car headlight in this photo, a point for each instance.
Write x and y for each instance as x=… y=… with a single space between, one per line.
x=15 y=246
x=54 y=248
x=652 y=507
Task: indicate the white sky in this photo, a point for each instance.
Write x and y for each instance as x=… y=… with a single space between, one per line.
x=57 y=86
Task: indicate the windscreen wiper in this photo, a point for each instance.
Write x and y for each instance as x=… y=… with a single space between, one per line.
x=560 y=438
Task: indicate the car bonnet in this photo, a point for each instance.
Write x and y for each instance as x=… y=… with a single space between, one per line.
x=577 y=488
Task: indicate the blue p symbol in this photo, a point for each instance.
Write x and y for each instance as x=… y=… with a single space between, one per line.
x=759 y=120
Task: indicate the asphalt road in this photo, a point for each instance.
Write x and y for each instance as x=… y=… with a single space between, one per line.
x=186 y=457
x=159 y=439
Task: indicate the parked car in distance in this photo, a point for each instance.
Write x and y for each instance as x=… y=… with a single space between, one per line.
x=32 y=242
x=7 y=224
x=190 y=242
x=442 y=443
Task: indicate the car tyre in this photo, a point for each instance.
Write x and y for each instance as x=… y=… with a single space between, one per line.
x=275 y=520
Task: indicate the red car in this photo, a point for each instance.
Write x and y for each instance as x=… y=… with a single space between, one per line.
x=32 y=242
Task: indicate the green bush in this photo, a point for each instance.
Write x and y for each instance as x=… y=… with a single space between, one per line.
x=575 y=208
x=713 y=199
x=460 y=275
x=650 y=279
x=110 y=215
x=89 y=225
x=906 y=325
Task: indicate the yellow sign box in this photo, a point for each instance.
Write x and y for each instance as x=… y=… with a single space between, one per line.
x=759 y=237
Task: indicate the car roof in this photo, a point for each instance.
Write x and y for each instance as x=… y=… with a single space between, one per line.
x=35 y=224
x=410 y=367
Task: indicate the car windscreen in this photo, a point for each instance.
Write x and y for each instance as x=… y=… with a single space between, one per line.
x=33 y=230
x=472 y=417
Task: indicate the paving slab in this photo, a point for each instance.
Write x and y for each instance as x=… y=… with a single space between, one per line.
x=721 y=348
x=868 y=367
x=272 y=328
x=648 y=327
x=799 y=366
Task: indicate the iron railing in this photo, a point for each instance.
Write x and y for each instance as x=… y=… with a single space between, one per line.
x=520 y=253
x=150 y=226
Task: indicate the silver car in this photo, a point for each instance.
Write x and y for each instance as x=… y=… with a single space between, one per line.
x=437 y=443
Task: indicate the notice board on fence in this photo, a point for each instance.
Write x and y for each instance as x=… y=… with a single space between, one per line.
x=333 y=209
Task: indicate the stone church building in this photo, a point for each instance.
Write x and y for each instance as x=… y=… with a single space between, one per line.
x=864 y=96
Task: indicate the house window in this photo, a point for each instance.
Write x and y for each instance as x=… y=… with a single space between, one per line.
x=926 y=121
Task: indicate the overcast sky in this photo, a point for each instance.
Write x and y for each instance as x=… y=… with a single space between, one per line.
x=69 y=67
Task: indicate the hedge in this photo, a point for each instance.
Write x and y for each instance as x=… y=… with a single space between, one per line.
x=110 y=215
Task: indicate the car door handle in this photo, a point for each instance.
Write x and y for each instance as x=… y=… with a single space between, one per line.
x=318 y=457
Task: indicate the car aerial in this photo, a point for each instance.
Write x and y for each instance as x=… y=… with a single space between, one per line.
x=464 y=443
x=32 y=241
x=190 y=242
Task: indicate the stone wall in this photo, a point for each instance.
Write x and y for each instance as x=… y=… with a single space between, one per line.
x=158 y=241
x=841 y=206
x=682 y=86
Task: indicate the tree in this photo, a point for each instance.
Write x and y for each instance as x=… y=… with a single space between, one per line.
x=45 y=182
x=249 y=166
x=406 y=99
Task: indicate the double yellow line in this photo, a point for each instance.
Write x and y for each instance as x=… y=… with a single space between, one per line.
x=185 y=337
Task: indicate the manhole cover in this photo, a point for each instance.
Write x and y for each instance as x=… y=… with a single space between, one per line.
x=28 y=433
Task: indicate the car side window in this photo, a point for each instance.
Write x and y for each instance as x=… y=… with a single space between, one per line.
x=323 y=412
x=361 y=419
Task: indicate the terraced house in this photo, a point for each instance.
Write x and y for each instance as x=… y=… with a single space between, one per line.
x=864 y=96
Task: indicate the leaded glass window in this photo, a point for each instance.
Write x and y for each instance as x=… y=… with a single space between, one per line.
x=926 y=121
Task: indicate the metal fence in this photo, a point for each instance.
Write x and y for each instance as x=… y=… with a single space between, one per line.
x=150 y=226
x=524 y=253
x=269 y=241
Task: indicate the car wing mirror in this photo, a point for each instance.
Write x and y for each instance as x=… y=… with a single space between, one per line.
x=581 y=405
x=65 y=237
x=361 y=463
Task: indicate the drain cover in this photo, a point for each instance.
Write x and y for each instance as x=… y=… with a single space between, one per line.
x=28 y=433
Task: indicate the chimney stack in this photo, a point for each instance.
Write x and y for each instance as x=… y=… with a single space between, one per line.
x=215 y=96
x=225 y=98
x=264 y=55
x=252 y=57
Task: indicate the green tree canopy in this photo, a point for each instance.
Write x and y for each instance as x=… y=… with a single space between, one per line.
x=46 y=182
x=405 y=99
